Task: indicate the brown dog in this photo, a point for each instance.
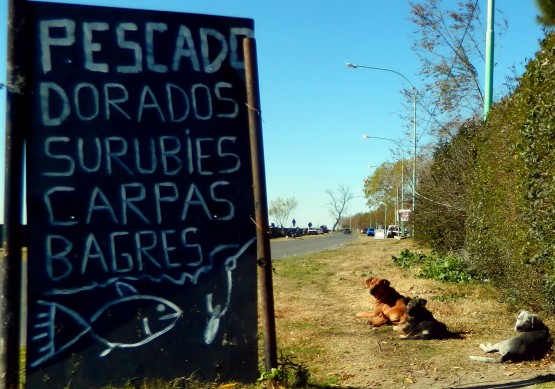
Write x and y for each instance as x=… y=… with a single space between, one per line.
x=389 y=305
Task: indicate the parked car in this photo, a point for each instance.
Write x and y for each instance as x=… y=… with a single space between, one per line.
x=370 y=231
x=312 y=231
x=325 y=229
x=392 y=231
x=363 y=230
x=346 y=230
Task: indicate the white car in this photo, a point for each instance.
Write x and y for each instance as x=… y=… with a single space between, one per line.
x=312 y=231
x=392 y=231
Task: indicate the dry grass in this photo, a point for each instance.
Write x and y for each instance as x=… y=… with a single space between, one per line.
x=317 y=297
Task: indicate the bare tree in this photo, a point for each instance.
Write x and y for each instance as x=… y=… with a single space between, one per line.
x=449 y=44
x=339 y=201
x=280 y=209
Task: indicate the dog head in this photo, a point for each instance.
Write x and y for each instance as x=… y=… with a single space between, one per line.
x=379 y=287
x=416 y=307
x=527 y=321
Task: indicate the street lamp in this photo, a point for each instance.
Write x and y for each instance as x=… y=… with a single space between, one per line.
x=355 y=66
x=402 y=172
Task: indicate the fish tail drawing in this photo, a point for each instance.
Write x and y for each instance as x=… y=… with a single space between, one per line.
x=216 y=312
x=43 y=332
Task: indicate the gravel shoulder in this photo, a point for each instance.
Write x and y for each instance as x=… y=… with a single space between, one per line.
x=316 y=322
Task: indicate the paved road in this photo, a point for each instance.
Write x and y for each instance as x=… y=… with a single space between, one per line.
x=284 y=248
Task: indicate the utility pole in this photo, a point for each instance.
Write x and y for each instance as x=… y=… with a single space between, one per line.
x=488 y=90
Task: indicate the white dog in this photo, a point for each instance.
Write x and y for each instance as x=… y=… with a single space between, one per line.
x=533 y=343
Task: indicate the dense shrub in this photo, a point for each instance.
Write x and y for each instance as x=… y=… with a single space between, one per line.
x=507 y=190
x=444 y=189
x=491 y=191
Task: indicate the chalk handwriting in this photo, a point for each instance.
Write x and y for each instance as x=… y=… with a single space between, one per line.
x=170 y=102
x=162 y=155
x=60 y=36
x=140 y=148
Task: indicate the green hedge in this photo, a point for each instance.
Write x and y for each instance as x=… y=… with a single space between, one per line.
x=509 y=190
x=511 y=224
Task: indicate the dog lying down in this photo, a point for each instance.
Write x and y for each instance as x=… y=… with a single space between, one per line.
x=533 y=343
x=421 y=324
x=389 y=305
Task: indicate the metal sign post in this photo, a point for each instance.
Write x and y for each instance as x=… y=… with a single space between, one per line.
x=11 y=263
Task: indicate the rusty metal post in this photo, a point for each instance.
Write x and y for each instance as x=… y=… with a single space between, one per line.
x=11 y=262
x=261 y=205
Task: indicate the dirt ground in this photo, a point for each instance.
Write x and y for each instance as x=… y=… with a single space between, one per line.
x=317 y=324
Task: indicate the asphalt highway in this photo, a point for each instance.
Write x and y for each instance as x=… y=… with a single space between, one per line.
x=284 y=248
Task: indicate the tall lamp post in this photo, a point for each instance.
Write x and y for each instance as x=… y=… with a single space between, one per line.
x=355 y=66
x=402 y=171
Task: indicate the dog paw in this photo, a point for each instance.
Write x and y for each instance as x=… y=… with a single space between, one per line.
x=485 y=347
x=399 y=328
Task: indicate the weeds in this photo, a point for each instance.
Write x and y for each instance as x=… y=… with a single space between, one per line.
x=407 y=259
x=289 y=374
x=449 y=268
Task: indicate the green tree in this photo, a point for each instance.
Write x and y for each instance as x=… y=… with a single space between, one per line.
x=280 y=209
x=384 y=186
x=547 y=12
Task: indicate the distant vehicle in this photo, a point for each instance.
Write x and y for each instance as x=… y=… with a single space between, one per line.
x=363 y=230
x=312 y=231
x=346 y=230
x=293 y=232
x=379 y=233
x=392 y=231
x=325 y=229
x=370 y=231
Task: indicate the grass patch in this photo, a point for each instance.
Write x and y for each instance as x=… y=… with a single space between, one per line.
x=449 y=297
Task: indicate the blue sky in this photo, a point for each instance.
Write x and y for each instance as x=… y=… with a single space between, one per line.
x=314 y=109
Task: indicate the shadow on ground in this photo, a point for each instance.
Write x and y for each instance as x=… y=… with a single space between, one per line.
x=527 y=383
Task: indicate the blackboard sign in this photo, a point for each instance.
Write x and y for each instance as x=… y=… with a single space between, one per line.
x=142 y=248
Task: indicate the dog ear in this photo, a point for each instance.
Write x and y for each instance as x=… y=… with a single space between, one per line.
x=423 y=302
x=368 y=281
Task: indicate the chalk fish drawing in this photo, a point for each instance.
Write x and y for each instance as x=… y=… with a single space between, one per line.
x=152 y=317
x=55 y=313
